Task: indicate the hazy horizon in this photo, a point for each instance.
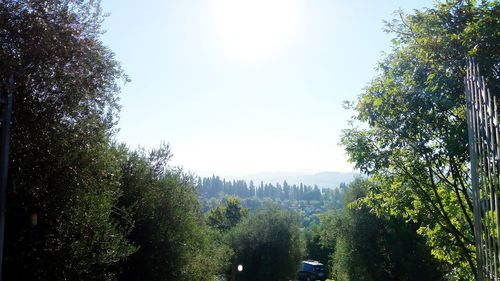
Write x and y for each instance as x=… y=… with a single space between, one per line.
x=325 y=179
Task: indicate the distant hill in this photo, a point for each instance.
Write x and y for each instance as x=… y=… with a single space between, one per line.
x=322 y=179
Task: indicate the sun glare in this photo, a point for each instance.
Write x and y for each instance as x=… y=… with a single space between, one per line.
x=251 y=29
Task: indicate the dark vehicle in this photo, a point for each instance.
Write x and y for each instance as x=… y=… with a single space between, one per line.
x=312 y=270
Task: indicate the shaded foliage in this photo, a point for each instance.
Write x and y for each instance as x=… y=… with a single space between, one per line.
x=268 y=245
x=63 y=167
x=174 y=242
x=367 y=247
x=315 y=249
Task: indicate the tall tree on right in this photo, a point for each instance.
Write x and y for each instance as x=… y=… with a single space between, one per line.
x=413 y=141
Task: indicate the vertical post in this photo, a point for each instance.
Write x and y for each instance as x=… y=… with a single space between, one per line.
x=475 y=183
x=6 y=97
x=474 y=173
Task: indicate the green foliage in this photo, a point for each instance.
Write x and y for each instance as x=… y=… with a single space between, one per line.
x=63 y=167
x=367 y=247
x=215 y=187
x=227 y=214
x=308 y=201
x=413 y=142
x=315 y=250
x=334 y=198
x=268 y=244
x=170 y=231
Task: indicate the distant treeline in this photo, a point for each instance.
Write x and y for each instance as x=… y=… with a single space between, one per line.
x=216 y=187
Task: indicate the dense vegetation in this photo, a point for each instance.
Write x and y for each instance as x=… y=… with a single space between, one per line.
x=83 y=207
x=413 y=141
x=359 y=245
x=307 y=201
x=63 y=166
x=268 y=245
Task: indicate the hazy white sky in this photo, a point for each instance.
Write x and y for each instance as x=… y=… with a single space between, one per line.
x=239 y=87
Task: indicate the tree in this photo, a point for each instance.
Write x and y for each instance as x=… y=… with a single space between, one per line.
x=315 y=250
x=268 y=246
x=63 y=168
x=227 y=214
x=413 y=142
x=174 y=242
x=368 y=247
x=334 y=198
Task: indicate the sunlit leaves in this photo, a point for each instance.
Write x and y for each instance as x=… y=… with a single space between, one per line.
x=412 y=139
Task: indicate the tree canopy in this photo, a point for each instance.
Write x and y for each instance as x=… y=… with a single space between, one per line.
x=268 y=245
x=227 y=214
x=62 y=163
x=413 y=137
x=365 y=246
x=174 y=242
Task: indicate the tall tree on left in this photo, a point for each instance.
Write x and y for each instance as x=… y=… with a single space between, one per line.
x=62 y=222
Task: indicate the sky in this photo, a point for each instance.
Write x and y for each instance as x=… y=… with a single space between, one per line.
x=239 y=87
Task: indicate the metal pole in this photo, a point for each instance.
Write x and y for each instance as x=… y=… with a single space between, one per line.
x=4 y=160
x=471 y=119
